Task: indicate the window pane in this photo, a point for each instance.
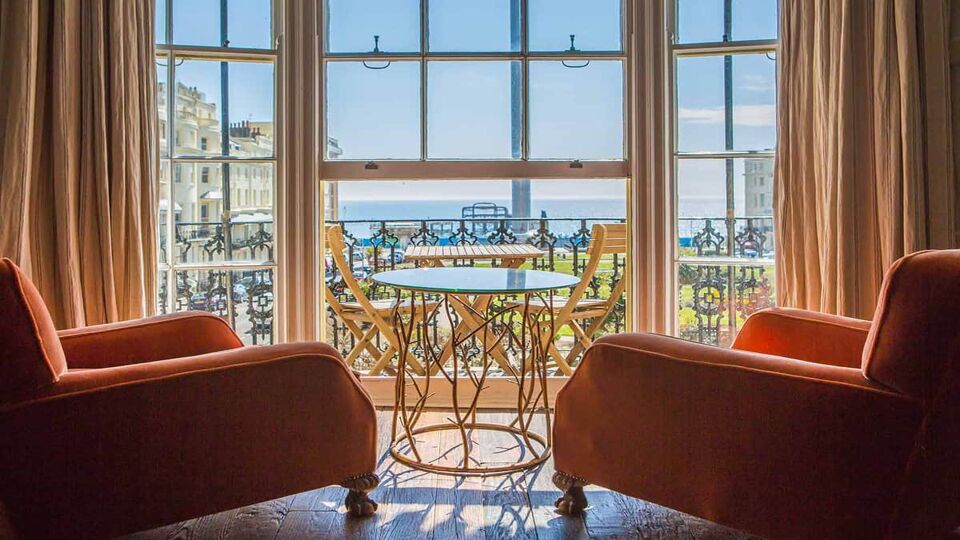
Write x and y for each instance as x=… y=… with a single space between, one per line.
x=251 y=109
x=196 y=22
x=162 y=104
x=352 y=24
x=460 y=26
x=703 y=226
x=714 y=301
x=198 y=208
x=251 y=211
x=470 y=106
x=596 y=25
x=160 y=21
x=249 y=291
x=197 y=118
x=164 y=208
x=702 y=20
x=754 y=102
x=576 y=113
x=373 y=113
x=248 y=24
x=700 y=101
x=382 y=219
x=253 y=305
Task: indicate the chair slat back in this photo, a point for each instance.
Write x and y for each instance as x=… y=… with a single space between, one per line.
x=605 y=239
x=614 y=239
x=337 y=246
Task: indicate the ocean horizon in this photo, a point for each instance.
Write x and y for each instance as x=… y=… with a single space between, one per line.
x=591 y=208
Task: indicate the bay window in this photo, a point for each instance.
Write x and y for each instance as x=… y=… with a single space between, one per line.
x=215 y=72
x=724 y=81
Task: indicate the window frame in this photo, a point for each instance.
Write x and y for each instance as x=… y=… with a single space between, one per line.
x=171 y=53
x=675 y=52
x=477 y=169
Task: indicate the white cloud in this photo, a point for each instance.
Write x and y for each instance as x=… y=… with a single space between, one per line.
x=743 y=115
x=757 y=83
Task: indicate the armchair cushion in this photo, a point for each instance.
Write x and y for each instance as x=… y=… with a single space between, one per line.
x=804 y=335
x=176 y=335
x=30 y=353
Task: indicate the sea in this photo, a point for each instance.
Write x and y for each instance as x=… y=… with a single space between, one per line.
x=585 y=207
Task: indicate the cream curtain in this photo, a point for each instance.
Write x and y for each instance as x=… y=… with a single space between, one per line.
x=865 y=170
x=650 y=204
x=298 y=188
x=78 y=161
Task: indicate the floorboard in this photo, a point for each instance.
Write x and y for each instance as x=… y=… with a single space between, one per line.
x=418 y=505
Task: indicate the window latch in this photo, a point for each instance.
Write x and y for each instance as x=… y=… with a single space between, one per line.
x=371 y=166
x=575 y=164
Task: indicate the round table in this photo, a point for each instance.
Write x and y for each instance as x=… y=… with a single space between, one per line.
x=513 y=337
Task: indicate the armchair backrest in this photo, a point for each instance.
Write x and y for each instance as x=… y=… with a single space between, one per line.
x=30 y=352
x=914 y=348
x=915 y=335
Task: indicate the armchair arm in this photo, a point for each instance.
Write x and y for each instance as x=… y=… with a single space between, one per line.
x=721 y=433
x=176 y=335
x=132 y=447
x=805 y=335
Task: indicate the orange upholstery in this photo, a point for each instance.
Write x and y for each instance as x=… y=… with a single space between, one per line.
x=783 y=435
x=168 y=418
x=805 y=335
x=30 y=353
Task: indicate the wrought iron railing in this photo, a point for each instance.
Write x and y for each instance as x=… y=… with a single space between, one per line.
x=725 y=273
x=234 y=283
x=722 y=278
x=376 y=245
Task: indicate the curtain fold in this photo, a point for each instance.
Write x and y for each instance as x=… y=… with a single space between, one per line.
x=298 y=187
x=78 y=163
x=865 y=159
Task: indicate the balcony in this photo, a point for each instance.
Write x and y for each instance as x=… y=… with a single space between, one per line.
x=721 y=281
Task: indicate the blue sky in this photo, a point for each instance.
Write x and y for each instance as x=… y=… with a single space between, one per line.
x=574 y=113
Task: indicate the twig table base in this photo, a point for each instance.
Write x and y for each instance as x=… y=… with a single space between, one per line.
x=451 y=296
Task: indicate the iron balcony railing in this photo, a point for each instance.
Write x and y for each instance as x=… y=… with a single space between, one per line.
x=722 y=278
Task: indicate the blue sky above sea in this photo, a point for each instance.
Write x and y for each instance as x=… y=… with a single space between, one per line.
x=573 y=113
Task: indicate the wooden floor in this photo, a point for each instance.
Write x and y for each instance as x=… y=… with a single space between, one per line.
x=419 y=505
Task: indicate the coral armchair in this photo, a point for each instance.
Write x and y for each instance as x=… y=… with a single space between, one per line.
x=810 y=426
x=127 y=426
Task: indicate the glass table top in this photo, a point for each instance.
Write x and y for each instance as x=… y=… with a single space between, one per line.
x=475 y=280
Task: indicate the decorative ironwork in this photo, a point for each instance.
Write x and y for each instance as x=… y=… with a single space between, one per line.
x=463 y=236
x=424 y=236
x=708 y=241
x=377 y=245
x=750 y=241
x=503 y=234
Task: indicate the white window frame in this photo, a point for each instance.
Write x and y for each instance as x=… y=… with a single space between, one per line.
x=171 y=53
x=676 y=51
x=492 y=169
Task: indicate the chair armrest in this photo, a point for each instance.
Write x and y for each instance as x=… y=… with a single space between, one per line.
x=719 y=433
x=805 y=335
x=137 y=446
x=176 y=335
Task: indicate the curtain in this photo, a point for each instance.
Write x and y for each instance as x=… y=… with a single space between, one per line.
x=298 y=187
x=78 y=163
x=864 y=170
x=650 y=205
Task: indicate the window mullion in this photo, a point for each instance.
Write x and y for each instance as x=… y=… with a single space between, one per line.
x=424 y=36
x=171 y=151
x=524 y=82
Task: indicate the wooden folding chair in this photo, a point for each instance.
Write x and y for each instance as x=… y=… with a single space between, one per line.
x=576 y=310
x=375 y=315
